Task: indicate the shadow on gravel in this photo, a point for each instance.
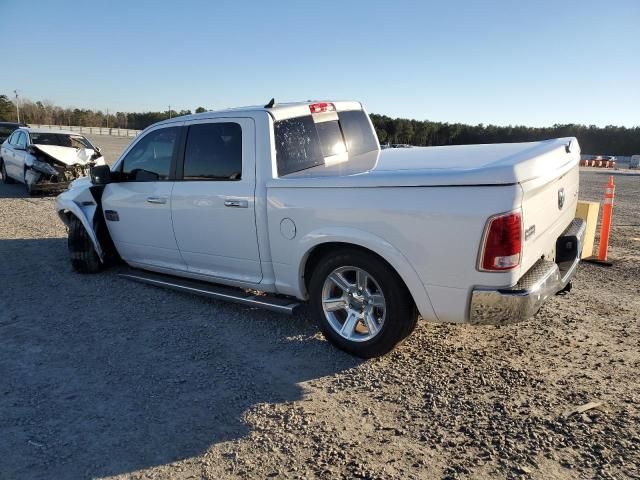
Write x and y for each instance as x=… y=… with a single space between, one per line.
x=100 y=376
x=17 y=190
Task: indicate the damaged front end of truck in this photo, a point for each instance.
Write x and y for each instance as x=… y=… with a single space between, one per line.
x=50 y=171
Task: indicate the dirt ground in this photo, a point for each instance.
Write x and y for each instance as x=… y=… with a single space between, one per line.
x=100 y=377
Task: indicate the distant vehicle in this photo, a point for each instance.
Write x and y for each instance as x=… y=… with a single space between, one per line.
x=7 y=128
x=46 y=160
x=298 y=202
x=635 y=161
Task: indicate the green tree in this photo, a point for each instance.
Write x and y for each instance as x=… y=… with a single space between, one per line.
x=7 y=109
x=201 y=110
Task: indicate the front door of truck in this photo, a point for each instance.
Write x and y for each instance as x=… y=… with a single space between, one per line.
x=213 y=200
x=137 y=207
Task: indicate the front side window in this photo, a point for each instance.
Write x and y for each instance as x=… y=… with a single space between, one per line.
x=213 y=152
x=22 y=140
x=13 y=138
x=150 y=158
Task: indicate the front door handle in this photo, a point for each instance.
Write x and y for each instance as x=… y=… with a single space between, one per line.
x=156 y=199
x=233 y=202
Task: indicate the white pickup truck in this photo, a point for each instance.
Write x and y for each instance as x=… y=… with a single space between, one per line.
x=272 y=205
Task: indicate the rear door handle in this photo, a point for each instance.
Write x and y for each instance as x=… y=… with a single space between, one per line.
x=156 y=199
x=232 y=202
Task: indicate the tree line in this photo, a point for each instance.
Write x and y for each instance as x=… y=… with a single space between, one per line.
x=46 y=113
x=610 y=140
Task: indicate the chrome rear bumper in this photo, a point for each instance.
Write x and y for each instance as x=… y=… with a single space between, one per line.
x=501 y=306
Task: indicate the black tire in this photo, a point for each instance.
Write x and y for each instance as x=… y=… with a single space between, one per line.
x=84 y=258
x=401 y=315
x=5 y=178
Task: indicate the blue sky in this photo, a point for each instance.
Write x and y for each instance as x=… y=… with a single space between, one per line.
x=502 y=62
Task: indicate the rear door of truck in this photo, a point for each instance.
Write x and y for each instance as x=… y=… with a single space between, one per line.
x=213 y=200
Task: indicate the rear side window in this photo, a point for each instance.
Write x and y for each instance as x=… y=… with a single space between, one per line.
x=213 y=152
x=150 y=159
x=303 y=142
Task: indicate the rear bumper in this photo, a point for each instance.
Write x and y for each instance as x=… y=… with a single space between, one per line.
x=501 y=306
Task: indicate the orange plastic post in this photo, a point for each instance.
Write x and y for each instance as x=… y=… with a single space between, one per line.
x=607 y=212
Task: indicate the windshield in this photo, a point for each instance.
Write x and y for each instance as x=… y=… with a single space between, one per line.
x=60 y=140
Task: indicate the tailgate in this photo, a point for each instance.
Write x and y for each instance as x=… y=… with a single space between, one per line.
x=548 y=207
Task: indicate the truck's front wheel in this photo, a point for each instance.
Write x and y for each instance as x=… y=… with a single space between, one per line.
x=361 y=304
x=84 y=258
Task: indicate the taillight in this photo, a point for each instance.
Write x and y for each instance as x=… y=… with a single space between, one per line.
x=322 y=107
x=502 y=242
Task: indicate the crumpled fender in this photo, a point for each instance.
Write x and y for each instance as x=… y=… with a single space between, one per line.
x=79 y=201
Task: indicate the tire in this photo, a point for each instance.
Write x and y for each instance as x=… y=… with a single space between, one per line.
x=367 y=324
x=84 y=258
x=5 y=178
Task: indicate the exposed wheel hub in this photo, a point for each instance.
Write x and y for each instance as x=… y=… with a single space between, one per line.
x=353 y=303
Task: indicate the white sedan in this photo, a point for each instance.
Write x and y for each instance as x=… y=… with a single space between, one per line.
x=46 y=160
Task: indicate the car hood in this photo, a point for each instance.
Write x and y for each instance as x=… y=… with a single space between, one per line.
x=67 y=155
x=489 y=164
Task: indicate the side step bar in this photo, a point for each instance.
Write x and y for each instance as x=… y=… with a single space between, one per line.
x=218 y=292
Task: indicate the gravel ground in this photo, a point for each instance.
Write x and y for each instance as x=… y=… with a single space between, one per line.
x=100 y=377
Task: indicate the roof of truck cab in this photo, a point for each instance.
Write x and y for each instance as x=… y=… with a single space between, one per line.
x=279 y=111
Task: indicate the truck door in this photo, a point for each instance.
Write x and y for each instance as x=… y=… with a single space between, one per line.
x=213 y=200
x=137 y=207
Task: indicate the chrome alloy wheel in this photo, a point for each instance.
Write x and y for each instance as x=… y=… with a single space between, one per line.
x=353 y=304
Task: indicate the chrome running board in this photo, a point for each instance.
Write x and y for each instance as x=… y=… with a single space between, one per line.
x=217 y=292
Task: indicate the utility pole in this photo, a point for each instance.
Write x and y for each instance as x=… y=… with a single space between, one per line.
x=107 y=118
x=17 y=105
x=169 y=111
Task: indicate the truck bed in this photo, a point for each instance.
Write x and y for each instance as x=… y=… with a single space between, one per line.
x=489 y=164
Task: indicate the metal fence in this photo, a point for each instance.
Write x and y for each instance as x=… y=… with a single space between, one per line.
x=115 y=132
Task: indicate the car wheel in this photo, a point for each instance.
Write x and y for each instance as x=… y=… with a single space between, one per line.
x=84 y=258
x=360 y=303
x=5 y=178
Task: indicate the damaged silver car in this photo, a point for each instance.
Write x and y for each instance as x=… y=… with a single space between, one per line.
x=46 y=160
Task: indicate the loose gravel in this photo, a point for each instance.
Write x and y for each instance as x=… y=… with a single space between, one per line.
x=100 y=377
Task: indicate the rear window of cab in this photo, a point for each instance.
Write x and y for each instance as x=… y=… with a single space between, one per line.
x=311 y=140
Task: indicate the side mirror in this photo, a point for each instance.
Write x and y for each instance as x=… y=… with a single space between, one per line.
x=100 y=174
x=97 y=149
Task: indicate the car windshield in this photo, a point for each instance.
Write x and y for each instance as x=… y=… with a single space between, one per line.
x=60 y=140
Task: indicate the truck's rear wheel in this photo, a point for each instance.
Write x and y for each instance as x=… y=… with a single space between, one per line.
x=84 y=258
x=360 y=303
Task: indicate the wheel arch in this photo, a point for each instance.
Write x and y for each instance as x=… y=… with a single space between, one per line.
x=65 y=212
x=314 y=247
